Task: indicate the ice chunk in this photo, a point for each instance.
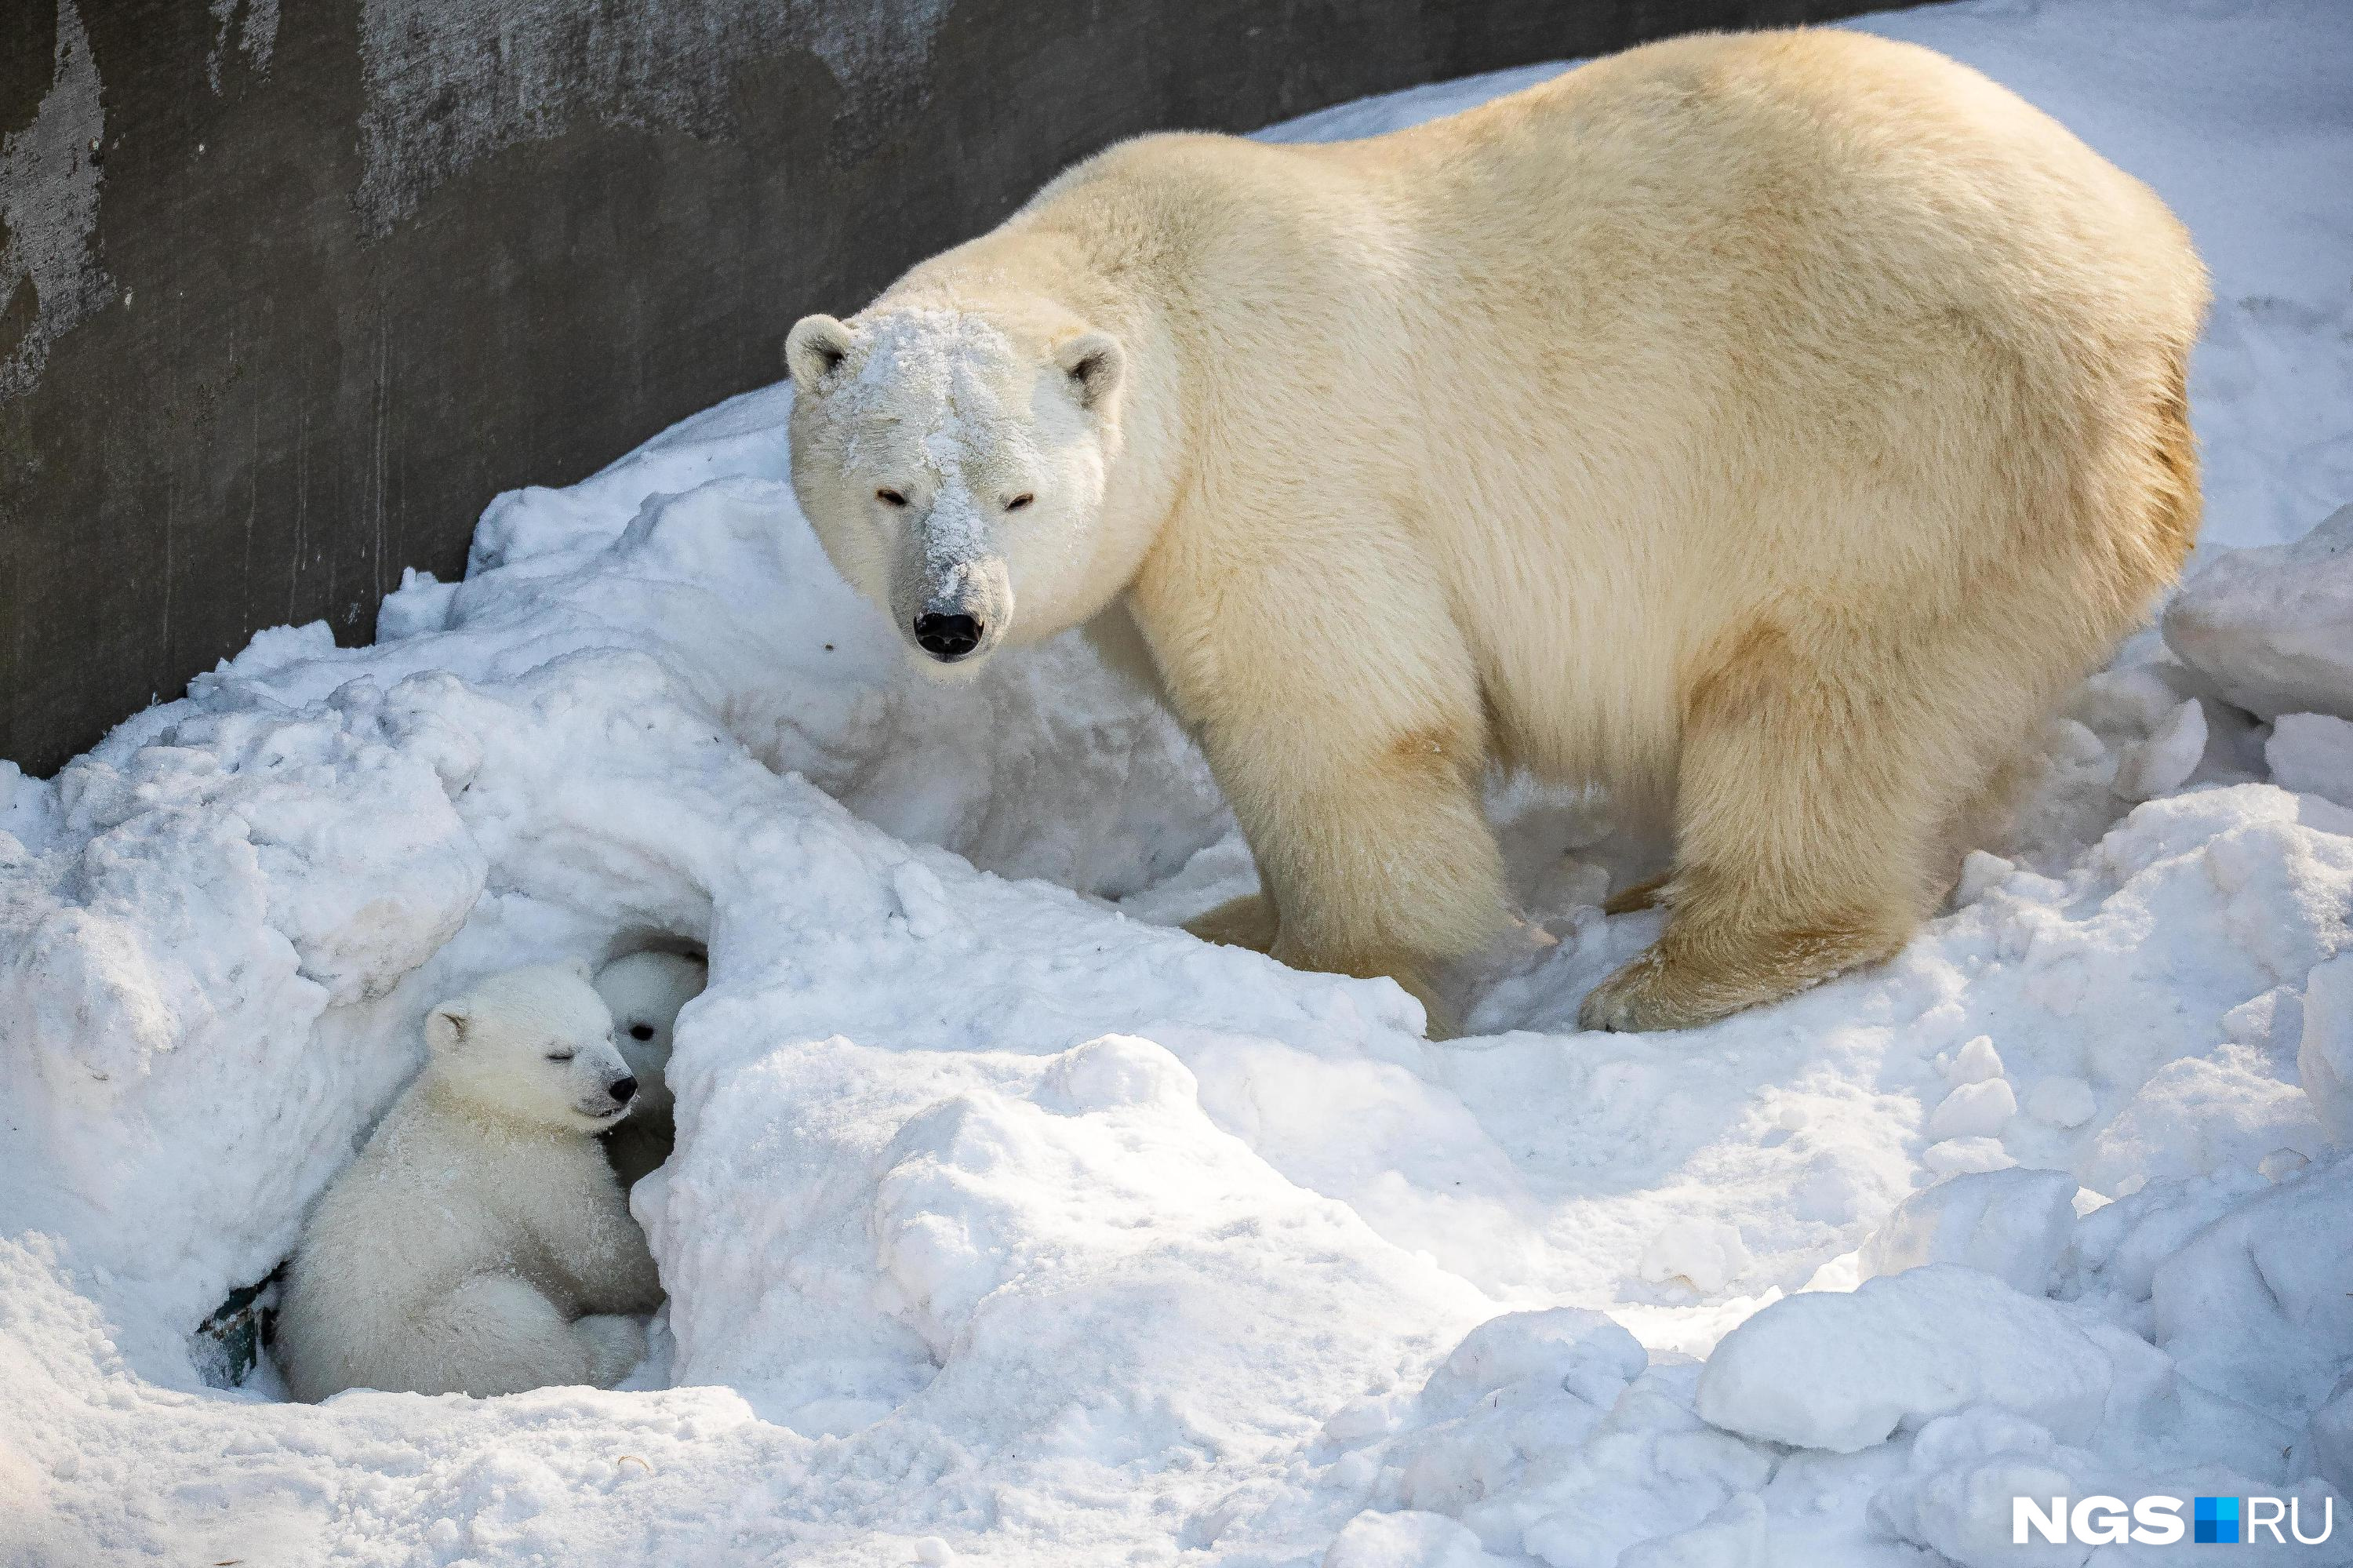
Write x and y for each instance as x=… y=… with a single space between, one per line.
x=1958 y=1156
x=2325 y=1059
x=2164 y=762
x=2328 y=1444
x=1408 y=1540
x=1955 y=1496
x=1974 y=1110
x=419 y=605
x=2273 y=628
x=1572 y=1348
x=1706 y=1254
x=2119 y=1244
x=1975 y=1063
x=1842 y=1373
x=2012 y=1224
x=2259 y=1304
x=2312 y=754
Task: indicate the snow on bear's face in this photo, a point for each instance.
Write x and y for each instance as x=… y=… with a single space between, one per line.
x=954 y=475
x=646 y=991
x=534 y=1044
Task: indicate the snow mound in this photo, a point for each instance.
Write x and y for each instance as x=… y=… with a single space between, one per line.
x=1844 y=1371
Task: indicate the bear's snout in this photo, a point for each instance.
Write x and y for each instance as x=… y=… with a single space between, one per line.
x=947 y=638
x=622 y=1090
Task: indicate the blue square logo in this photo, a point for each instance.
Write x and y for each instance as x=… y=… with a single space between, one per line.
x=2215 y=1520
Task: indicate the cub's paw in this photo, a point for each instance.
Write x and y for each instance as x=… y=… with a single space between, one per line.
x=1245 y=922
x=614 y=1345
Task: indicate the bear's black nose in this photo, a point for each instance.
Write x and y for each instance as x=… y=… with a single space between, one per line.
x=622 y=1090
x=948 y=637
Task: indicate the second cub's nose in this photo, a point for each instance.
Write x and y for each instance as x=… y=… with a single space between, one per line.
x=948 y=637
x=622 y=1090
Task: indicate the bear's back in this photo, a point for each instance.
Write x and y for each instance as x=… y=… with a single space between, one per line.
x=1798 y=160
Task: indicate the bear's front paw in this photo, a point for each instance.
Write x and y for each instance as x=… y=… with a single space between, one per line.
x=1647 y=994
x=616 y=1344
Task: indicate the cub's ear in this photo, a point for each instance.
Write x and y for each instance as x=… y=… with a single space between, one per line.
x=445 y=1027
x=814 y=350
x=1094 y=362
x=580 y=967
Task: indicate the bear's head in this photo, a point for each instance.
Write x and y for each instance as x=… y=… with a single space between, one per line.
x=646 y=991
x=952 y=460
x=532 y=1045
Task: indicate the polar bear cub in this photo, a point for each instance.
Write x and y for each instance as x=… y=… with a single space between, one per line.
x=480 y=1243
x=646 y=991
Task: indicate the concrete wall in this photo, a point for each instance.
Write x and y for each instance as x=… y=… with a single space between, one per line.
x=286 y=295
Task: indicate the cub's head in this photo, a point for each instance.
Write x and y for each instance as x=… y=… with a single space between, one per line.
x=534 y=1045
x=953 y=465
x=646 y=991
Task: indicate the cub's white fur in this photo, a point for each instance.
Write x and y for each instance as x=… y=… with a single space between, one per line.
x=645 y=991
x=1772 y=424
x=480 y=1243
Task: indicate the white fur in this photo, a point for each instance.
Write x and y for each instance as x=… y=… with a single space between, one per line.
x=1772 y=424
x=646 y=991
x=480 y=1243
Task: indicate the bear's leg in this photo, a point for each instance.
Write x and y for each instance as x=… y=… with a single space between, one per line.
x=1813 y=794
x=1375 y=853
x=495 y=1334
x=614 y=1343
x=1647 y=894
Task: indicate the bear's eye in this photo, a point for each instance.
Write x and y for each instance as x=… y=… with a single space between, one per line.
x=641 y=1030
x=890 y=497
x=1018 y=501
x=560 y=1055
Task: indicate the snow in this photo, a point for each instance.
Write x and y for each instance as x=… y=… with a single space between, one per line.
x=2164 y=762
x=2013 y=1225
x=2314 y=753
x=2324 y=1057
x=1841 y=1369
x=1009 y=1224
x=2271 y=629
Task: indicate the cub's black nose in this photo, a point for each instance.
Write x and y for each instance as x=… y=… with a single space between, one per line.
x=948 y=637
x=622 y=1090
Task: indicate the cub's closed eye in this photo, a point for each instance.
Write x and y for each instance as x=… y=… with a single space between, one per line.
x=641 y=1030
x=560 y=1055
x=1018 y=501
x=890 y=497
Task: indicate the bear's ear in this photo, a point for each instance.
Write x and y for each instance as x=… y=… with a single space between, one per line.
x=1093 y=361
x=580 y=967
x=814 y=350
x=445 y=1027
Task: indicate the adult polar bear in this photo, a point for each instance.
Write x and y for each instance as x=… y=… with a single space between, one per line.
x=1775 y=424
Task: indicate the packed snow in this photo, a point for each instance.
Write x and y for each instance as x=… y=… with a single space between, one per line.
x=1007 y=1224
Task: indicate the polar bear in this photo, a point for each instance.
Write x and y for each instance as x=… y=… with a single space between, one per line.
x=1772 y=426
x=480 y=1243
x=645 y=991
